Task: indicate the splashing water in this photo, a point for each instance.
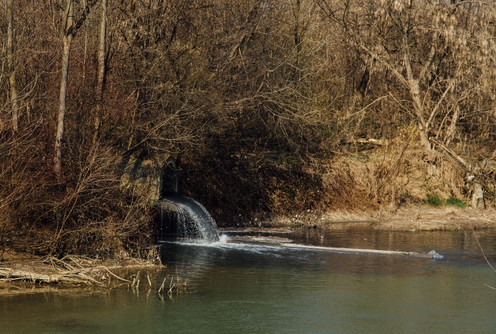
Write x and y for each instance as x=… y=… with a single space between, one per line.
x=182 y=218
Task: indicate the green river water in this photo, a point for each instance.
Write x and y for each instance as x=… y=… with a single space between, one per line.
x=258 y=287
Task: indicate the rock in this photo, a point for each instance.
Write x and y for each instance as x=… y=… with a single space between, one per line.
x=435 y=255
x=142 y=176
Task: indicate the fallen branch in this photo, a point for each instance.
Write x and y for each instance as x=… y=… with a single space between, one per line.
x=115 y=276
x=11 y=275
x=430 y=255
x=68 y=270
x=450 y=153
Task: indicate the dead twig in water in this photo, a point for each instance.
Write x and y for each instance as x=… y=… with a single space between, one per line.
x=484 y=255
x=115 y=276
x=162 y=286
x=149 y=280
x=136 y=281
x=175 y=285
x=482 y=250
x=171 y=286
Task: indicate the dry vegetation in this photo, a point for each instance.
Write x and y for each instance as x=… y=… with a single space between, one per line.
x=273 y=106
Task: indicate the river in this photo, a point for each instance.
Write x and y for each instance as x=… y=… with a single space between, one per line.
x=251 y=284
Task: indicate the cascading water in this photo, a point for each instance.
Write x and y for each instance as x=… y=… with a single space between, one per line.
x=182 y=218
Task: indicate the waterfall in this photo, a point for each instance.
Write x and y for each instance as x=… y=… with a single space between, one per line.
x=183 y=218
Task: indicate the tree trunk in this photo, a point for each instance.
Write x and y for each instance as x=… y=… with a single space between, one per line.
x=414 y=90
x=67 y=38
x=297 y=37
x=11 y=65
x=478 y=201
x=101 y=72
x=450 y=133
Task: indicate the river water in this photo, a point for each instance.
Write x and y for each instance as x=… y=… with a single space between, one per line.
x=250 y=284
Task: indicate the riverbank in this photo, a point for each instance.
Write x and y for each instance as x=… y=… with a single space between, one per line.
x=26 y=273
x=413 y=218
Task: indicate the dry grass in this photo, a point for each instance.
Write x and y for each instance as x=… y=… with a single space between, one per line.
x=389 y=177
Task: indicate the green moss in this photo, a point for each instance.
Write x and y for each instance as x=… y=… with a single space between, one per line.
x=434 y=200
x=456 y=202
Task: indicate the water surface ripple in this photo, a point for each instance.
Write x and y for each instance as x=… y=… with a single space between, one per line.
x=261 y=287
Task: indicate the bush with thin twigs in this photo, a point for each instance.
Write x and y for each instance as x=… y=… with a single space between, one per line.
x=85 y=213
x=274 y=106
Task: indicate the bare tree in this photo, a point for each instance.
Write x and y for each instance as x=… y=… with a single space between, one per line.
x=101 y=72
x=70 y=26
x=11 y=65
x=423 y=46
x=67 y=29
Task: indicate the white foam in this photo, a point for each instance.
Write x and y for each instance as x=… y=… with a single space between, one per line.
x=223 y=239
x=226 y=243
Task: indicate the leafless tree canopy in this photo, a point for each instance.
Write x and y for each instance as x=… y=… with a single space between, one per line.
x=259 y=98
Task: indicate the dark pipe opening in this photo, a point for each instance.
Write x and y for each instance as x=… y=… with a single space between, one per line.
x=169 y=182
x=179 y=217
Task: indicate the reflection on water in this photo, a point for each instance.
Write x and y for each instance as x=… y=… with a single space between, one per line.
x=264 y=288
x=455 y=245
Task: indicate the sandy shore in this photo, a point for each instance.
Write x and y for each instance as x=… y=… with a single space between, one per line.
x=421 y=218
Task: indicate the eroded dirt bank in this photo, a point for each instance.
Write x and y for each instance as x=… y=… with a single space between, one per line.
x=420 y=218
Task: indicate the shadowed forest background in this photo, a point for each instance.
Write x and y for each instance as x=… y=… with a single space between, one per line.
x=275 y=107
